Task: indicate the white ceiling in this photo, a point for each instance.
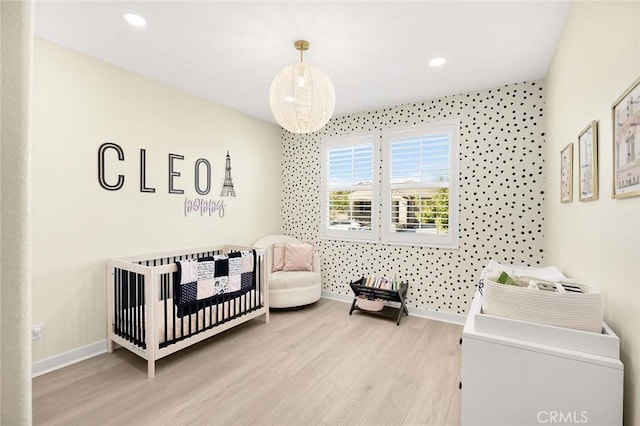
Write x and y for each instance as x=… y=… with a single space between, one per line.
x=376 y=53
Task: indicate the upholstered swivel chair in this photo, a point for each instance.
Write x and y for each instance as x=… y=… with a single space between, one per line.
x=290 y=288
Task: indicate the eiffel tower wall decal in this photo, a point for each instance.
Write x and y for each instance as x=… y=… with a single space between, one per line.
x=227 y=187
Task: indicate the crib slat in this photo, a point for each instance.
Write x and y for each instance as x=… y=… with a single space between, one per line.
x=123 y=320
x=140 y=303
x=130 y=286
x=123 y=288
x=163 y=280
x=140 y=320
x=256 y=271
x=197 y=321
x=117 y=304
x=174 y=311
x=181 y=326
x=212 y=316
x=253 y=296
x=136 y=320
x=134 y=312
x=125 y=305
x=144 y=331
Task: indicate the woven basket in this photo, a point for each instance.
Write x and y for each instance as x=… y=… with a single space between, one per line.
x=580 y=311
x=369 y=305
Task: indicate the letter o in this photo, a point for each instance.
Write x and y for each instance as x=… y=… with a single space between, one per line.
x=200 y=161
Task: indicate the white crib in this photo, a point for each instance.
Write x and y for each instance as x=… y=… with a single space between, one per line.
x=140 y=293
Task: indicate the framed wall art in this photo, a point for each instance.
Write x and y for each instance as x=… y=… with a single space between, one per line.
x=625 y=115
x=566 y=174
x=588 y=162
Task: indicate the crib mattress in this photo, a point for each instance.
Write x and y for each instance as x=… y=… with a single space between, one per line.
x=177 y=327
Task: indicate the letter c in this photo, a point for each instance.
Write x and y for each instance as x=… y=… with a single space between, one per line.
x=101 y=177
x=540 y=418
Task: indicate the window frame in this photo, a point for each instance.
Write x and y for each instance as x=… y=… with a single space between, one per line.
x=354 y=139
x=451 y=240
x=381 y=187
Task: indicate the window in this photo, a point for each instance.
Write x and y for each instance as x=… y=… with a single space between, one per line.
x=350 y=188
x=420 y=188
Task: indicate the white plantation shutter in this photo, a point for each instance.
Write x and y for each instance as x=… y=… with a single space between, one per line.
x=350 y=165
x=350 y=187
x=420 y=185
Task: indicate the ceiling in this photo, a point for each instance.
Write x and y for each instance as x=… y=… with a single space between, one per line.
x=376 y=53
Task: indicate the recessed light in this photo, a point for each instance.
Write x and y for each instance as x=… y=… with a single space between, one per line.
x=436 y=62
x=135 y=20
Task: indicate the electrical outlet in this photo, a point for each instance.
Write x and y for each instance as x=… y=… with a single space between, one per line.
x=36 y=332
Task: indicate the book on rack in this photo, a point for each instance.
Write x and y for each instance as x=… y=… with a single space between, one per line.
x=382 y=282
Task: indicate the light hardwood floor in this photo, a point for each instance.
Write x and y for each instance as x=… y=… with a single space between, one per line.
x=315 y=366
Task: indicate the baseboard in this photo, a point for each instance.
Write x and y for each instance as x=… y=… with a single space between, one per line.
x=438 y=315
x=47 y=365
x=335 y=296
x=413 y=311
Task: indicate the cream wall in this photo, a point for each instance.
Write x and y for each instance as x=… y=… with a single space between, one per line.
x=598 y=242
x=16 y=48
x=81 y=103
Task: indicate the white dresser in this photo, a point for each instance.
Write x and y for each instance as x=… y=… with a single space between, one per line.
x=519 y=373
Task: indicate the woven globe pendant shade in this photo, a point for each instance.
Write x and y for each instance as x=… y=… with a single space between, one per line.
x=302 y=97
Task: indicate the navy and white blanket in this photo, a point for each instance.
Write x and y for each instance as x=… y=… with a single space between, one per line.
x=208 y=280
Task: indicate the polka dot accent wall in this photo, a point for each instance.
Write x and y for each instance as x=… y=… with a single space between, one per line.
x=501 y=195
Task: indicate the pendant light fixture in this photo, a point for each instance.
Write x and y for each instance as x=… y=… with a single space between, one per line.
x=302 y=96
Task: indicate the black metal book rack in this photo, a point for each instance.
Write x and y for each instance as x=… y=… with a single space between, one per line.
x=361 y=290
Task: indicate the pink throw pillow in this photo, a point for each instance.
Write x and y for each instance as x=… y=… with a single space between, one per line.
x=277 y=251
x=298 y=257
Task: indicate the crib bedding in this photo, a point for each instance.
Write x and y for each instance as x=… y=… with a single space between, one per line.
x=203 y=318
x=204 y=281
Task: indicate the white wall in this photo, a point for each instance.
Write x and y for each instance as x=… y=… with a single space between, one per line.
x=597 y=242
x=81 y=103
x=500 y=202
